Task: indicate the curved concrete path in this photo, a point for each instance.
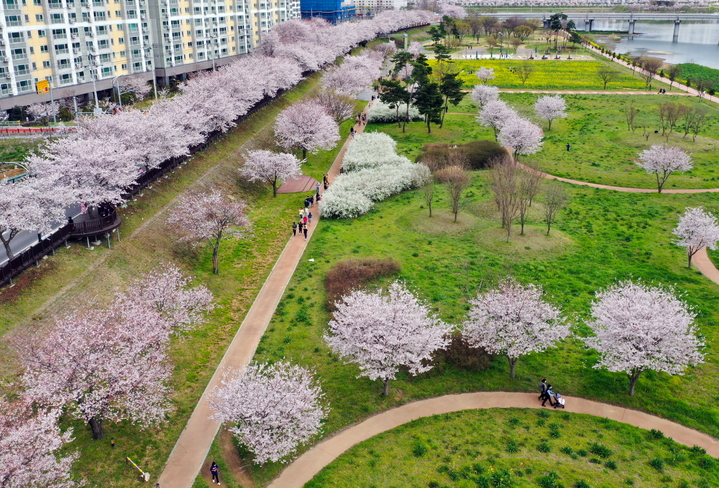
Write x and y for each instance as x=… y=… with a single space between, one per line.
x=192 y=447
x=305 y=467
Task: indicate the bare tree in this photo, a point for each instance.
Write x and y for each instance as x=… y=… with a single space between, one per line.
x=630 y=115
x=426 y=182
x=698 y=122
x=529 y=183
x=555 y=199
x=673 y=71
x=607 y=75
x=456 y=179
x=524 y=71
x=650 y=66
x=504 y=181
x=669 y=115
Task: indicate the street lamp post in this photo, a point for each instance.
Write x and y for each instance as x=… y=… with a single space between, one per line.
x=154 y=78
x=91 y=64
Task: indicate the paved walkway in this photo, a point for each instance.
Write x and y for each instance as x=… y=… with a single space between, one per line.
x=304 y=468
x=192 y=447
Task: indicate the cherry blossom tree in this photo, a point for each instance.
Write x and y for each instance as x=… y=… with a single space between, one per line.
x=340 y=107
x=102 y=364
x=274 y=408
x=384 y=331
x=166 y=291
x=662 y=161
x=306 y=126
x=697 y=229
x=494 y=114
x=521 y=135
x=29 y=442
x=137 y=84
x=271 y=167
x=209 y=217
x=451 y=10
x=514 y=320
x=32 y=205
x=550 y=108
x=639 y=327
x=40 y=111
x=485 y=74
x=483 y=94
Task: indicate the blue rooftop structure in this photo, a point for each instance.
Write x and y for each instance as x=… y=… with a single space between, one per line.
x=331 y=10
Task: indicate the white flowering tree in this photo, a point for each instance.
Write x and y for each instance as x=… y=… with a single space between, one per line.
x=272 y=408
x=521 y=135
x=662 y=161
x=306 y=126
x=271 y=167
x=483 y=94
x=514 y=320
x=209 y=217
x=485 y=75
x=29 y=443
x=550 y=107
x=696 y=230
x=43 y=111
x=494 y=114
x=639 y=328
x=385 y=331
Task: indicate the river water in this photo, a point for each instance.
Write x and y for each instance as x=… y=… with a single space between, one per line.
x=698 y=41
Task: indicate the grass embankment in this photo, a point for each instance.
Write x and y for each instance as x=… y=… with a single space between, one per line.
x=65 y=280
x=478 y=448
x=692 y=71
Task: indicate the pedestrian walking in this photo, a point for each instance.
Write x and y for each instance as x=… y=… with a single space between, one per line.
x=294 y=229
x=305 y=232
x=215 y=471
x=301 y=226
x=548 y=396
x=310 y=217
x=307 y=203
x=307 y=210
x=569 y=146
x=302 y=212
x=324 y=179
x=317 y=187
x=305 y=220
x=542 y=389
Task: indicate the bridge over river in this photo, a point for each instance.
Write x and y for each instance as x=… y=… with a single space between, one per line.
x=630 y=17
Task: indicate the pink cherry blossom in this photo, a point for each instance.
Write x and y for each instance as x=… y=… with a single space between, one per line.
x=306 y=126
x=271 y=167
x=697 y=229
x=550 y=108
x=662 y=161
x=521 y=135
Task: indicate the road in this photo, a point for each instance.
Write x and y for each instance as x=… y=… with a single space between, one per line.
x=26 y=239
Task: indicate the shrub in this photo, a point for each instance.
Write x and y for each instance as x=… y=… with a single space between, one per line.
x=543 y=447
x=383 y=113
x=600 y=450
x=611 y=465
x=512 y=446
x=549 y=480
x=419 y=449
x=477 y=154
x=705 y=462
x=459 y=353
x=657 y=463
x=567 y=450
x=501 y=479
x=656 y=434
x=350 y=274
x=581 y=484
x=581 y=452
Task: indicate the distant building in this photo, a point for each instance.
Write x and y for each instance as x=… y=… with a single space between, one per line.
x=368 y=8
x=333 y=11
x=73 y=43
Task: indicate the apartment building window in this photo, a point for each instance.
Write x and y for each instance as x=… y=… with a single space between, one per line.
x=99 y=16
x=137 y=66
x=19 y=53
x=65 y=78
x=134 y=41
x=41 y=33
x=105 y=58
x=173 y=11
x=39 y=18
x=63 y=63
x=61 y=49
x=133 y=27
x=131 y=14
x=59 y=34
x=22 y=69
x=123 y=54
x=121 y=40
x=102 y=30
x=13 y=20
x=192 y=56
x=118 y=13
x=106 y=71
x=103 y=44
x=24 y=85
x=34 y=66
x=43 y=49
x=46 y=64
x=123 y=67
x=16 y=37
x=187 y=10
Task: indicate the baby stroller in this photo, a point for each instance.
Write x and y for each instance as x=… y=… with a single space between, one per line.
x=558 y=401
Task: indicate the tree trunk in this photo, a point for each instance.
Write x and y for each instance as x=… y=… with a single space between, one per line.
x=633 y=377
x=216 y=257
x=455 y=215
x=549 y=226
x=399 y=122
x=512 y=367
x=6 y=243
x=689 y=258
x=430 y=208
x=444 y=112
x=304 y=153
x=386 y=386
x=96 y=426
x=274 y=188
x=429 y=125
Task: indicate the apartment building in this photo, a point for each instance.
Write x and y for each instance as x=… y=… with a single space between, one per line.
x=85 y=46
x=373 y=7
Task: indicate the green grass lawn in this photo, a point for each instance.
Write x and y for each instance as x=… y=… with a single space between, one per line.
x=601 y=237
x=603 y=149
x=548 y=74
x=473 y=449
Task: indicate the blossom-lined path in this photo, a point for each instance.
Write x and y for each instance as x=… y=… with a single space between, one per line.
x=191 y=449
x=305 y=467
